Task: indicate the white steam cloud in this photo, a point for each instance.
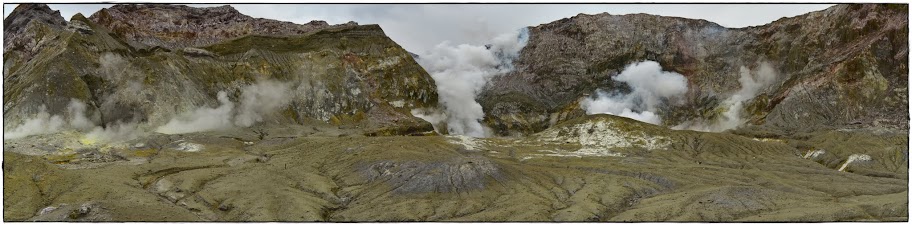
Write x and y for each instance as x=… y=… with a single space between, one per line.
x=78 y=119
x=433 y=116
x=42 y=123
x=117 y=132
x=257 y=100
x=201 y=119
x=260 y=99
x=752 y=82
x=460 y=73
x=45 y=123
x=650 y=88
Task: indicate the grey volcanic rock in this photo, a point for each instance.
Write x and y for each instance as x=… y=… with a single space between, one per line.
x=343 y=75
x=23 y=16
x=841 y=66
x=459 y=174
x=174 y=26
x=23 y=26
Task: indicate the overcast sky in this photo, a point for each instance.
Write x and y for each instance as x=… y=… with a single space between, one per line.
x=418 y=27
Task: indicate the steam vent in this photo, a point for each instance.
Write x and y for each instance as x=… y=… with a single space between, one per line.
x=157 y=112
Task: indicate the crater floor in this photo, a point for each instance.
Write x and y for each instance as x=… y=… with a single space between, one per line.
x=600 y=168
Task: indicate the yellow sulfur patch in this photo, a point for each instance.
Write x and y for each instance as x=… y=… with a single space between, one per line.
x=87 y=141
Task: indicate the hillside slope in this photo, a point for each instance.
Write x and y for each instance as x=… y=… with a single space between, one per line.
x=843 y=67
x=343 y=74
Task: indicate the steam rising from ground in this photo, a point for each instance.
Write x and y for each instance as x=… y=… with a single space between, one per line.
x=42 y=123
x=76 y=119
x=201 y=119
x=460 y=73
x=650 y=87
x=113 y=69
x=117 y=132
x=77 y=112
x=257 y=100
x=260 y=99
x=752 y=82
x=434 y=116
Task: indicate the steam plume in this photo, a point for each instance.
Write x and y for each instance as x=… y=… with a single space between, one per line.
x=257 y=100
x=260 y=99
x=201 y=119
x=77 y=111
x=460 y=73
x=76 y=119
x=42 y=123
x=752 y=82
x=650 y=87
x=435 y=117
x=117 y=132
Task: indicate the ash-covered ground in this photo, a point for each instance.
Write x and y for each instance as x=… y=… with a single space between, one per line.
x=599 y=168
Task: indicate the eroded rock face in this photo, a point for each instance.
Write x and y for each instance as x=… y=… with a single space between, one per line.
x=175 y=26
x=25 y=14
x=343 y=75
x=839 y=67
x=25 y=28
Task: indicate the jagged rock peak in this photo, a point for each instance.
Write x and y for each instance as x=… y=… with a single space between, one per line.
x=219 y=10
x=25 y=17
x=25 y=13
x=179 y=26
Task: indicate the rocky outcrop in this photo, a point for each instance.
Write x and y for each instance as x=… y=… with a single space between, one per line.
x=25 y=29
x=842 y=67
x=344 y=75
x=176 y=26
x=19 y=20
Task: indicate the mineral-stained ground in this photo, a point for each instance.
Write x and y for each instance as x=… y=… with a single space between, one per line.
x=321 y=173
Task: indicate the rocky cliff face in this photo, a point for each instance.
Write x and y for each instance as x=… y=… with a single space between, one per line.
x=842 y=67
x=148 y=63
x=20 y=18
x=184 y=26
